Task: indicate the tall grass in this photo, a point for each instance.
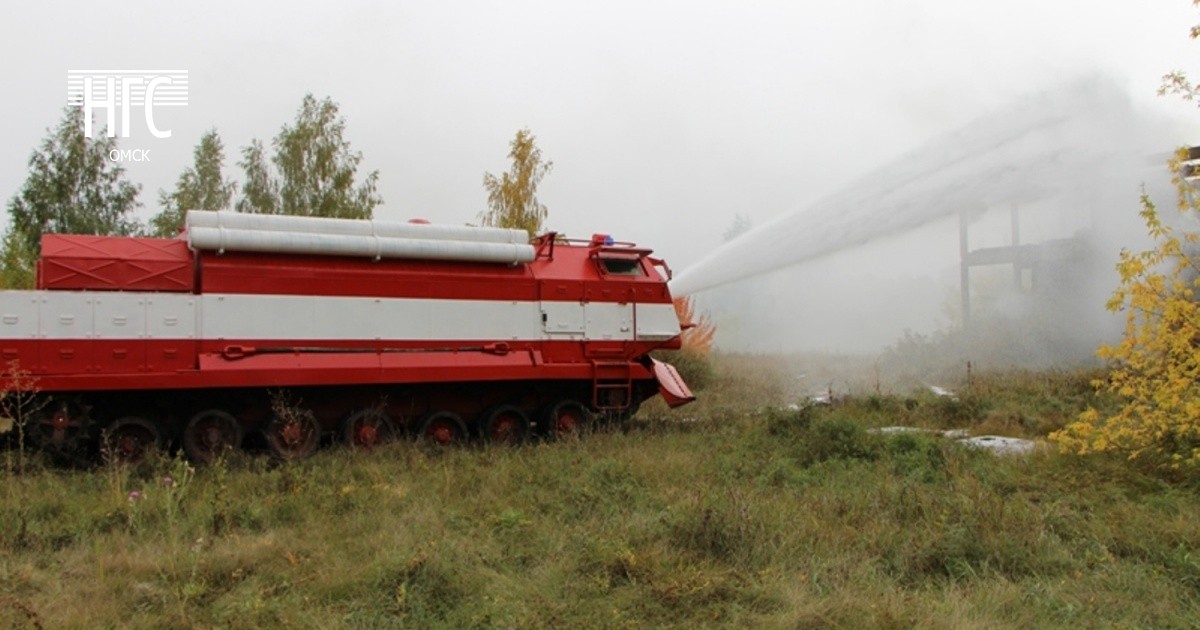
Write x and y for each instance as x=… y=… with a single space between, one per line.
x=732 y=512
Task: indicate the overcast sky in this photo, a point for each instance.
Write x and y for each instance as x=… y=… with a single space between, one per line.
x=663 y=119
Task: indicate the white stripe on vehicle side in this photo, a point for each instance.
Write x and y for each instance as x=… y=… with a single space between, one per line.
x=237 y=316
x=657 y=322
x=18 y=315
x=119 y=315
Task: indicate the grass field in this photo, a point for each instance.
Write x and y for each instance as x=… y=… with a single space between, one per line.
x=734 y=511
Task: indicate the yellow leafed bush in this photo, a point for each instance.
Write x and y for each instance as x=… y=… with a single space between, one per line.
x=1156 y=366
x=699 y=338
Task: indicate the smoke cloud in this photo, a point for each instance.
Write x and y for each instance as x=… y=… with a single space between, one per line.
x=855 y=270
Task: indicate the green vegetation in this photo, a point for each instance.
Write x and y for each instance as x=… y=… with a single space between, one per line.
x=512 y=197
x=75 y=187
x=72 y=187
x=694 y=367
x=314 y=169
x=1154 y=365
x=201 y=186
x=732 y=512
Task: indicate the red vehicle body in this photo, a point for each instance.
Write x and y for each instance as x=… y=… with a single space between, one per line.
x=294 y=328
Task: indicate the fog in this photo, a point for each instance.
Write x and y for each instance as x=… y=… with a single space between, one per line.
x=853 y=271
x=664 y=120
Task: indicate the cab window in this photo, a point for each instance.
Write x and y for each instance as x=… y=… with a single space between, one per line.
x=621 y=266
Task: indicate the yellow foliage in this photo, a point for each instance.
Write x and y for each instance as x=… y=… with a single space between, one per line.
x=698 y=338
x=1156 y=365
x=512 y=197
x=1155 y=368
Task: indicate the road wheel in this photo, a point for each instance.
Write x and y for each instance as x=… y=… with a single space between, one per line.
x=504 y=424
x=209 y=434
x=62 y=428
x=444 y=428
x=367 y=429
x=293 y=434
x=128 y=439
x=565 y=417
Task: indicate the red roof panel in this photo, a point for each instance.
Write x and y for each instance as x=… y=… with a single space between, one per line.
x=72 y=262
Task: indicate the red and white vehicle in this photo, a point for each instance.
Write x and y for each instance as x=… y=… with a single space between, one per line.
x=294 y=327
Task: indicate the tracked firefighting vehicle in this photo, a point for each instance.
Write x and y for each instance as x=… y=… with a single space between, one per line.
x=289 y=329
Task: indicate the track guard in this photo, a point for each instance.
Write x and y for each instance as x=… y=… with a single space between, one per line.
x=674 y=391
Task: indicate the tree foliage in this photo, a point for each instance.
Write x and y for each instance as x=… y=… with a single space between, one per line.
x=1156 y=366
x=314 y=169
x=16 y=263
x=699 y=338
x=260 y=192
x=1176 y=82
x=201 y=187
x=512 y=197
x=72 y=187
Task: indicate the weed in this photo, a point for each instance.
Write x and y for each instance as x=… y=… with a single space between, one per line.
x=23 y=612
x=790 y=422
x=918 y=456
x=695 y=368
x=423 y=592
x=749 y=514
x=721 y=527
x=20 y=403
x=837 y=438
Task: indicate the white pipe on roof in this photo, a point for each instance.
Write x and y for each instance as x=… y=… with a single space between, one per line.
x=360 y=227
x=374 y=246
